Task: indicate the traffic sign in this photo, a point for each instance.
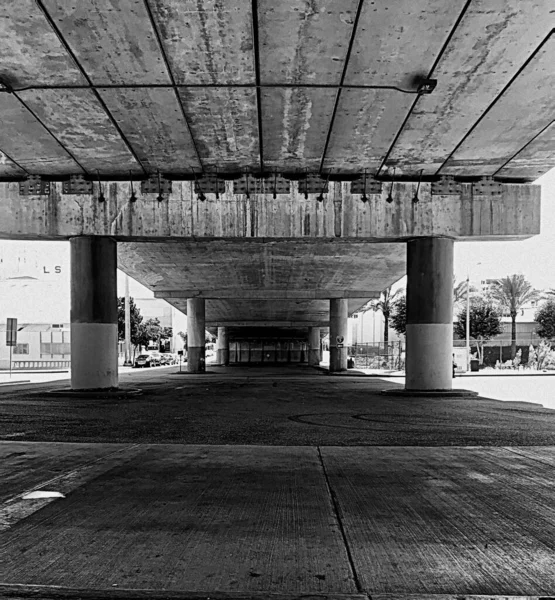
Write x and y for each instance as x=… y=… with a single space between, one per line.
x=11 y=332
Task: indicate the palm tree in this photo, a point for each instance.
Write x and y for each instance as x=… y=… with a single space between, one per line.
x=459 y=291
x=385 y=305
x=513 y=292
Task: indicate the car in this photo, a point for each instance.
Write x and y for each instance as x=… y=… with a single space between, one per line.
x=167 y=359
x=146 y=360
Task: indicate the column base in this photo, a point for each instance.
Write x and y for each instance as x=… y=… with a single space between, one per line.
x=314 y=357
x=222 y=358
x=94 y=356
x=452 y=393
x=196 y=362
x=338 y=359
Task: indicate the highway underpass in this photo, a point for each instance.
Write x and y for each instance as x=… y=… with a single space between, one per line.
x=273 y=164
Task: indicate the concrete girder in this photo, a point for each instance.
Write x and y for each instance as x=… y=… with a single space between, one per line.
x=292 y=324
x=236 y=294
x=515 y=214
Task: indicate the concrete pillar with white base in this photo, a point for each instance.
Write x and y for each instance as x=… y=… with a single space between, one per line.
x=339 y=312
x=94 y=313
x=429 y=351
x=314 y=346
x=222 y=346
x=195 y=335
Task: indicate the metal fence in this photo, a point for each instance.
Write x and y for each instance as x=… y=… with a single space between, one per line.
x=378 y=355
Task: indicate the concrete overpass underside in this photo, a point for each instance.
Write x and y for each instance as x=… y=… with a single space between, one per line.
x=267 y=162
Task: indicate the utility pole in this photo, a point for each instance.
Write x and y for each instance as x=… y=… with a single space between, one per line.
x=127 y=362
x=468 y=323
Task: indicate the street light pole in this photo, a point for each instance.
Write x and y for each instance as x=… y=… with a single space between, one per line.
x=468 y=323
x=127 y=362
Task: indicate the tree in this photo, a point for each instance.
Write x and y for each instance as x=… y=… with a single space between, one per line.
x=460 y=291
x=484 y=325
x=545 y=318
x=385 y=305
x=399 y=315
x=513 y=292
x=136 y=322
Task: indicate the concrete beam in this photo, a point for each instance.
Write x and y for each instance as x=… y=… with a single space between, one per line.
x=257 y=294
x=514 y=214
x=267 y=323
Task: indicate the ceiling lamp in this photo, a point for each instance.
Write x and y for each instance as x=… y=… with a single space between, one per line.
x=389 y=198
x=426 y=86
x=101 y=197
x=133 y=196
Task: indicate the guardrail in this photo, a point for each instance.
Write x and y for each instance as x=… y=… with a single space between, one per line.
x=20 y=365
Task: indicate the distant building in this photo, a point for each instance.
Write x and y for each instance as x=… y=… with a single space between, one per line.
x=39 y=346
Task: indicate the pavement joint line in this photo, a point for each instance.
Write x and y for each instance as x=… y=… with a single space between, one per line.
x=337 y=512
x=514 y=450
x=15 y=509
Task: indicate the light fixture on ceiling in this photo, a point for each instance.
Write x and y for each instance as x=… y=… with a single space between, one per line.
x=133 y=196
x=101 y=197
x=200 y=194
x=5 y=86
x=415 y=198
x=160 y=198
x=364 y=197
x=248 y=194
x=320 y=196
x=426 y=85
x=389 y=198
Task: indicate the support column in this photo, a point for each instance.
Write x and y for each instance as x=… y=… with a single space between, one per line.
x=339 y=311
x=429 y=352
x=222 y=347
x=94 y=313
x=195 y=335
x=314 y=346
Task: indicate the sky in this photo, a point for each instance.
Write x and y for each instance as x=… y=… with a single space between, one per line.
x=534 y=257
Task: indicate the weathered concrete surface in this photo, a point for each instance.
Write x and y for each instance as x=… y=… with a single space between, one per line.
x=515 y=214
x=385 y=522
x=491 y=43
x=78 y=120
x=527 y=101
x=474 y=49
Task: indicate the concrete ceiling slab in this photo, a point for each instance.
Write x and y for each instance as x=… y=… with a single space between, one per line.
x=295 y=126
x=397 y=40
x=366 y=124
x=78 y=120
x=266 y=310
x=224 y=124
x=8 y=168
x=258 y=265
x=487 y=49
x=25 y=140
x=524 y=109
x=474 y=49
x=302 y=41
x=530 y=162
x=153 y=123
x=207 y=42
x=112 y=39
x=32 y=53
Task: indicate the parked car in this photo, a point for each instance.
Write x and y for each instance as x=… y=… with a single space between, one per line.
x=147 y=360
x=167 y=359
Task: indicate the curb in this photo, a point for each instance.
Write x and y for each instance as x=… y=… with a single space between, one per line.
x=430 y=393
x=100 y=393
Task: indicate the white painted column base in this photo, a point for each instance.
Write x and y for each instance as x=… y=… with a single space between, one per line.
x=429 y=362
x=94 y=356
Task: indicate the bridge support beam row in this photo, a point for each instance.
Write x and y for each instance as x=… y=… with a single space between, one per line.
x=94 y=322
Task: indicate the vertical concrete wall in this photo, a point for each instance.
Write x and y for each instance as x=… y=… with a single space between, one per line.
x=195 y=335
x=314 y=346
x=429 y=352
x=339 y=311
x=222 y=346
x=94 y=313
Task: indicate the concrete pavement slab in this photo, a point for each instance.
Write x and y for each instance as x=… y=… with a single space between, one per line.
x=247 y=519
x=446 y=520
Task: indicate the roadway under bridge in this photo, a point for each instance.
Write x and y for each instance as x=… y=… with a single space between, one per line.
x=273 y=163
